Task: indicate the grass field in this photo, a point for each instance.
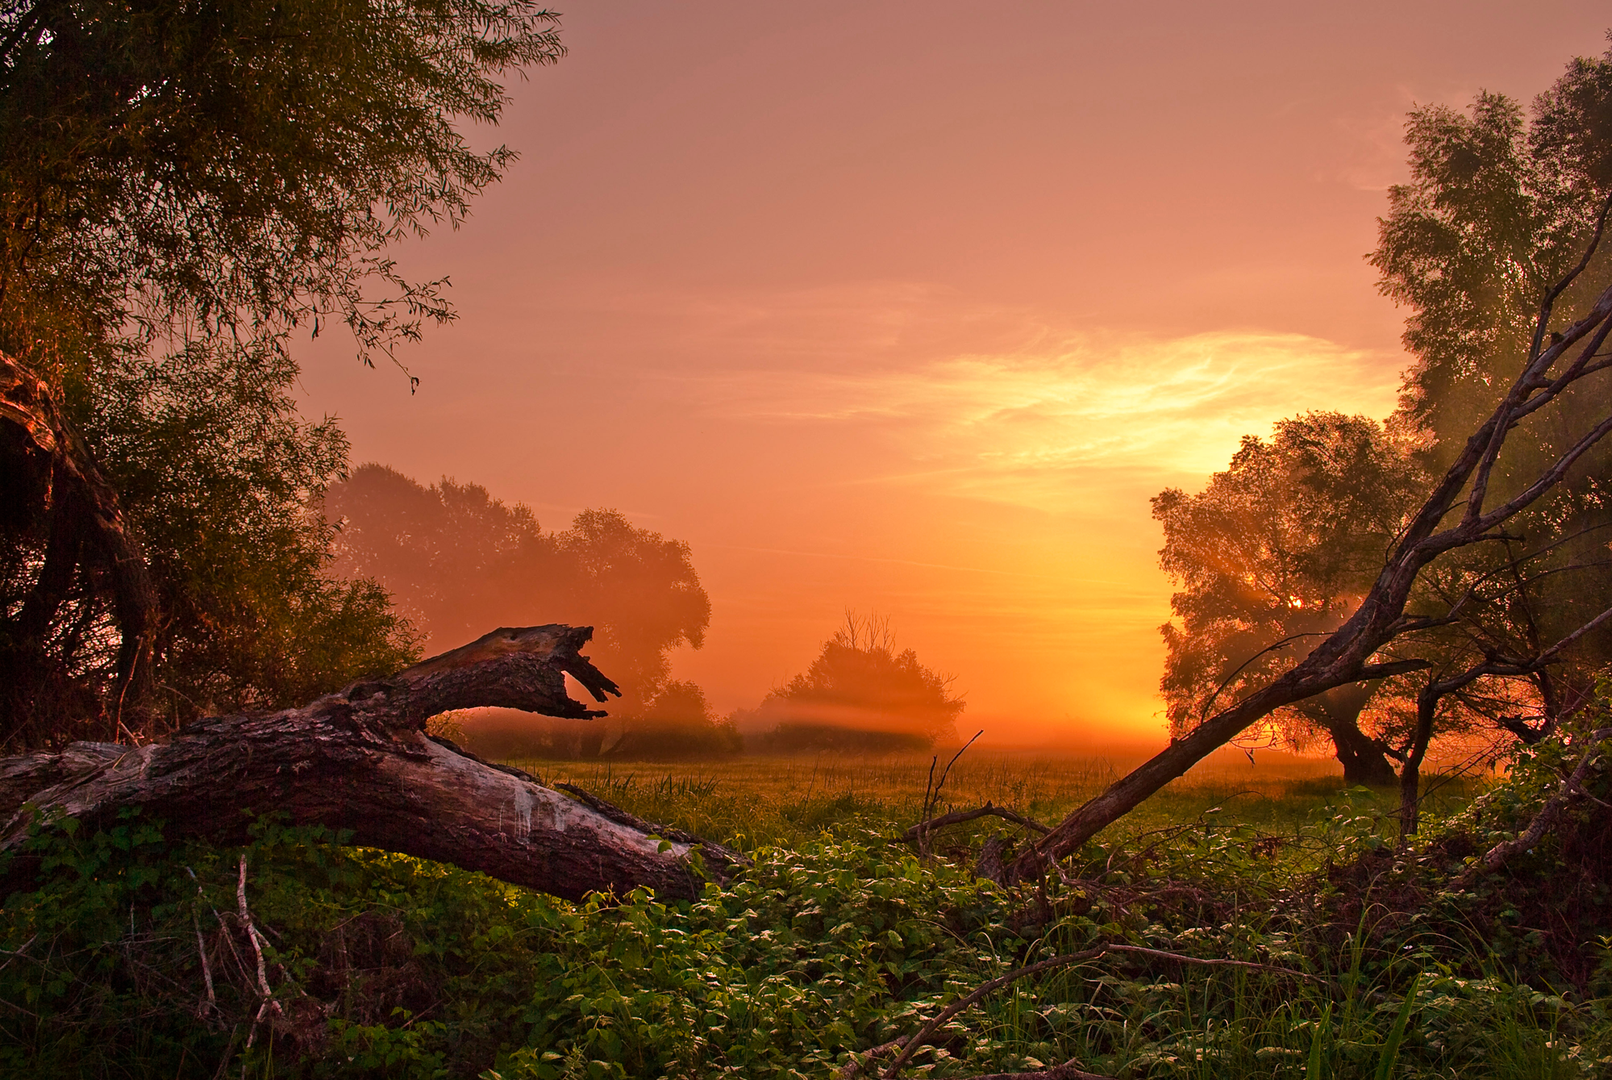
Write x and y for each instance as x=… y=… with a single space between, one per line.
x=757 y=801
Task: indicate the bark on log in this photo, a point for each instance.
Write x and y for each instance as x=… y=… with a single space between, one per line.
x=360 y=760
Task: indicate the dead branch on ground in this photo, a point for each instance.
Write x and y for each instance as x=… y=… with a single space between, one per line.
x=359 y=762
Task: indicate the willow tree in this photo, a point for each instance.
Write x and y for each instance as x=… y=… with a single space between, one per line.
x=190 y=185
x=1274 y=553
x=1510 y=286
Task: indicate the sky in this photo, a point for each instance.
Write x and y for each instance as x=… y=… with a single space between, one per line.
x=910 y=308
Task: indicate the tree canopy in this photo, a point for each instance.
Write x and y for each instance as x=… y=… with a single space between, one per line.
x=1499 y=208
x=1275 y=552
x=181 y=187
x=860 y=694
x=456 y=561
x=236 y=168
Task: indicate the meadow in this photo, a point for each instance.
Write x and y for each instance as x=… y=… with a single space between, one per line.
x=755 y=801
x=1251 y=921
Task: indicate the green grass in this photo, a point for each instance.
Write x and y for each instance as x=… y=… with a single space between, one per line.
x=836 y=941
x=757 y=801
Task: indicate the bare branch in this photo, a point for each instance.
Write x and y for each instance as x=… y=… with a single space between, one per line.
x=1548 y=304
x=1571 y=788
x=957 y=817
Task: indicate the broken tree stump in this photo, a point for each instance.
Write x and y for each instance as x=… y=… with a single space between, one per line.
x=360 y=760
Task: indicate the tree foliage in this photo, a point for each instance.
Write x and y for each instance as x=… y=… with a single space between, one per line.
x=237 y=168
x=1499 y=208
x=860 y=694
x=1274 y=553
x=457 y=561
x=181 y=187
x=220 y=479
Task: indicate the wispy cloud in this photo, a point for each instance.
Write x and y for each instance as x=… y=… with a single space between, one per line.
x=1017 y=427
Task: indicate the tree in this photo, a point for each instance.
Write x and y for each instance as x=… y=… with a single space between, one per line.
x=239 y=166
x=454 y=558
x=219 y=481
x=1276 y=551
x=180 y=188
x=1495 y=213
x=1548 y=425
x=860 y=695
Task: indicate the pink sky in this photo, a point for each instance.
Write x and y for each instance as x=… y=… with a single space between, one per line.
x=910 y=308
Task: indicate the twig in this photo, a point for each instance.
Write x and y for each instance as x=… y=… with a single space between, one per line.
x=1067 y=1071
x=1572 y=786
x=11 y=955
x=929 y=785
x=948 y=770
x=957 y=817
x=932 y=800
x=864 y=1060
x=257 y=941
x=201 y=947
x=1182 y=958
x=207 y=968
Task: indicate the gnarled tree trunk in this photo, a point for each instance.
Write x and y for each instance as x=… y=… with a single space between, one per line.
x=360 y=760
x=49 y=471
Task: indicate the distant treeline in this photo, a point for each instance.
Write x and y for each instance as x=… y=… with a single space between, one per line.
x=457 y=562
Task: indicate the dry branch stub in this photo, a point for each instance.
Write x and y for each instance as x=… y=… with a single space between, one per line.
x=360 y=761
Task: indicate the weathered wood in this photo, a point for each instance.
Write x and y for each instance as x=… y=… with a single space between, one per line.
x=957 y=817
x=361 y=760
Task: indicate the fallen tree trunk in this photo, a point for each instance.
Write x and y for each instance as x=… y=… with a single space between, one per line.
x=360 y=760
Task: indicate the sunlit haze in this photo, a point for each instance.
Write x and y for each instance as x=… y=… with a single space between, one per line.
x=910 y=308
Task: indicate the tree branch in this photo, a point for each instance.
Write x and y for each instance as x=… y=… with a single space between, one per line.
x=957 y=817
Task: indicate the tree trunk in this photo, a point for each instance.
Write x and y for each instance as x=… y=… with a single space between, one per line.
x=1427 y=702
x=50 y=470
x=1363 y=760
x=1338 y=711
x=360 y=760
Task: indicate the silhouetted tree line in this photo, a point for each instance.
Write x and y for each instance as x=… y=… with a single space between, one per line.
x=456 y=560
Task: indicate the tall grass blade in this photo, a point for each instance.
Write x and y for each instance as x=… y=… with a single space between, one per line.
x=1396 y=1034
x=1323 y=1028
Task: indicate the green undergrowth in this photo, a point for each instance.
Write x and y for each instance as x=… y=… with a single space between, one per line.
x=129 y=957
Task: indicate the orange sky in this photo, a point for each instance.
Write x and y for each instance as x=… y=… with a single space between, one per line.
x=910 y=307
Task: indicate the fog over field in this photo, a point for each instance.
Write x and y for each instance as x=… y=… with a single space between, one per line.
x=910 y=309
